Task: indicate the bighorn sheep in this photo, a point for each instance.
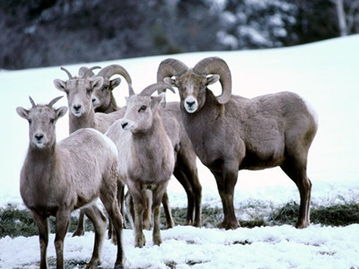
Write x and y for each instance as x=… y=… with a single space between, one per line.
x=102 y=98
x=185 y=168
x=57 y=178
x=78 y=91
x=230 y=133
x=147 y=155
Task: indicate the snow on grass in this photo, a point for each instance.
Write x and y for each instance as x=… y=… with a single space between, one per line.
x=324 y=73
x=189 y=247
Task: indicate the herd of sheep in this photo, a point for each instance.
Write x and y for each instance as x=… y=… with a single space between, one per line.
x=141 y=145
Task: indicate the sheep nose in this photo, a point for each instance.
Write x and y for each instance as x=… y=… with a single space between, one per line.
x=39 y=137
x=124 y=124
x=190 y=103
x=77 y=107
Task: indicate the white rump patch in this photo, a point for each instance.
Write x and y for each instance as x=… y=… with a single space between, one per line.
x=108 y=140
x=311 y=110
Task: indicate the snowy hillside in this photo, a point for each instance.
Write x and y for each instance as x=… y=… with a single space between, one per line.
x=324 y=73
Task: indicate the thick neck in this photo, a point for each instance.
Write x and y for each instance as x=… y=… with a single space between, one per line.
x=86 y=120
x=148 y=139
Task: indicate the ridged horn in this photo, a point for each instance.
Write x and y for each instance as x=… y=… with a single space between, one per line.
x=32 y=101
x=170 y=67
x=53 y=101
x=160 y=87
x=114 y=69
x=85 y=72
x=216 y=65
x=67 y=72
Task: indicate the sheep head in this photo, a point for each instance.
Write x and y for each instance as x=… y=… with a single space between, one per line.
x=141 y=108
x=102 y=97
x=42 y=120
x=192 y=83
x=79 y=91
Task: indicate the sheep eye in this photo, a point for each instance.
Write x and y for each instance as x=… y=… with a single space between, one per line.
x=52 y=120
x=142 y=108
x=30 y=121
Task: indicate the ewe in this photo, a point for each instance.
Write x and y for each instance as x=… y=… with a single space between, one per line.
x=58 y=178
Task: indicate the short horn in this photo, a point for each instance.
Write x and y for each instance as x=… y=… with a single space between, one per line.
x=85 y=72
x=216 y=65
x=67 y=72
x=32 y=102
x=53 y=101
x=170 y=67
x=159 y=87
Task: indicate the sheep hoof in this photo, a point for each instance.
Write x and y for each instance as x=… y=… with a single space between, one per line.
x=118 y=266
x=157 y=240
x=302 y=224
x=140 y=241
x=231 y=224
x=78 y=233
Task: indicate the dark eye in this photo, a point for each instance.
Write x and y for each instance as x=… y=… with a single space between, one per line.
x=52 y=120
x=142 y=108
x=29 y=121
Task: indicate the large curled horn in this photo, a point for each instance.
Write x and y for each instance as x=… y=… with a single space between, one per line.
x=216 y=65
x=67 y=72
x=32 y=101
x=170 y=67
x=159 y=87
x=114 y=69
x=53 y=101
x=85 y=72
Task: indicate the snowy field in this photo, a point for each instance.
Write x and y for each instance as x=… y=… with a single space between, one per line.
x=325 y=73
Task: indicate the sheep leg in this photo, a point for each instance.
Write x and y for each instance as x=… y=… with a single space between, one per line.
x=42 y=225
x=62 y=224
x=140 y=240
x=226 y=181
x=111 y=204
x=147 y=210
x=80 y=225
x=189 y=168
x=167 y=209
x=297 y=171
x=99 y=222
x=120 y=198
x=181 y=177
x=158 y=193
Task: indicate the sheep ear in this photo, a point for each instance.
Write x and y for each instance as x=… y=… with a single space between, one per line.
x=212 y=79
x=114 y=83
x=171 y=81
x=60 y=85
x=23 y=113
x=60 y=112
x=156 y=100
x=96 y=83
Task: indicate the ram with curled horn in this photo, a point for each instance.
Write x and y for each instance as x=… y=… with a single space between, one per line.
x=102 y=98
x=230 y=133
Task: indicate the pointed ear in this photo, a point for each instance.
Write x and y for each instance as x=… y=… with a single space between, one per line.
x=171 y=81
x=156 y=100
x=60 y=112
x=114 y=83
x=96 y=83
x=60 y=85
x=212 y=79
x=23 y=113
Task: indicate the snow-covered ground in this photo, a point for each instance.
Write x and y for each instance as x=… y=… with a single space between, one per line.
x=188 y=247
x=324 y=73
